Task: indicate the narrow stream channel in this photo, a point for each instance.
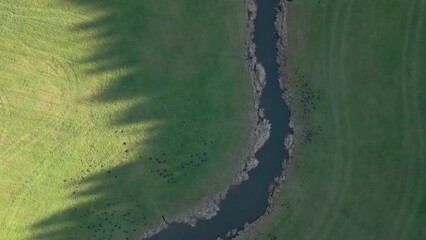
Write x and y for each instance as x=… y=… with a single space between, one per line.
x=248 y=201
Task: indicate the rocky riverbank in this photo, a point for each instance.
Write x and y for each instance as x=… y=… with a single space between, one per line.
x=260 y=133
x=288 y=89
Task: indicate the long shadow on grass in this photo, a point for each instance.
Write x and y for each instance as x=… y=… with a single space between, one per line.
x=167 y=62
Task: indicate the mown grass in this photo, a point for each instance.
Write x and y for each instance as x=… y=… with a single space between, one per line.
x=363 y=176
x=116 y=112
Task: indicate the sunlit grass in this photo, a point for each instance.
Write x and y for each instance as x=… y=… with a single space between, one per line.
x=92 y=93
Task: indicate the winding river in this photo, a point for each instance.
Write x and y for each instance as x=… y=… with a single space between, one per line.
x=246 y=202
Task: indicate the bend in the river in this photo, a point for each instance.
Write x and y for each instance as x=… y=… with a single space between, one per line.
x=248 y=201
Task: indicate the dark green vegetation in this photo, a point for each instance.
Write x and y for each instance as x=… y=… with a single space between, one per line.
x=361 y=174
x=116 y=112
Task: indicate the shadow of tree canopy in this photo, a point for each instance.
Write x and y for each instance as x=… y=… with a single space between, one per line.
x=181 y=68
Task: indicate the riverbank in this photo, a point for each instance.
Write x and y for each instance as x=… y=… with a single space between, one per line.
x=260 y=133
x=288 y=89
x=357 y=169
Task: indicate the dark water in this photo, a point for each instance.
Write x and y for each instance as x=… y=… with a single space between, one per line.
x=248 y=201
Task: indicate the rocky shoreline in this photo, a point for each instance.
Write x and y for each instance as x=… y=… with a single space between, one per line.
x=260 y=134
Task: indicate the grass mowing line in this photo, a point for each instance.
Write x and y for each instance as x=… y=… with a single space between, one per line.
x=407 y=118
x=37 y=170
x=347 y=172
x=26 y=95
x=338 y=129
x=53 y=11
x=4 y=105
x=4 y=108
x=415 y=103
x=347 y=166
x=339 y=159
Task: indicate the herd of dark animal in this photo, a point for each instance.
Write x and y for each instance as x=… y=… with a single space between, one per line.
x=194 y=160
x=107 y=220
x=308 y=99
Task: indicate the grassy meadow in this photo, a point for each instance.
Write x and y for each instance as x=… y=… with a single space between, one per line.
x=359 y=70
x=116 y=112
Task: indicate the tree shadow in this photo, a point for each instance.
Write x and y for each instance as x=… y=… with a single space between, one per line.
x=151 y=45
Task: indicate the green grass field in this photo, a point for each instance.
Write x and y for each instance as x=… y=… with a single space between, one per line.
x=364 y=175
x=116 y=112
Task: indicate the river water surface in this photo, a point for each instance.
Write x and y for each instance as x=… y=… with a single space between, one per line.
x=246 y=202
